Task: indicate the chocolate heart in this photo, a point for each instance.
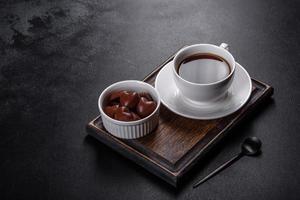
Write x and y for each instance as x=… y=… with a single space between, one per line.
x=114 y=96
x=124 y=116
x=122 y=109
x=146 y=95
x=135 y=116
x=145 y=107
x=129 y=99
x=111 y=110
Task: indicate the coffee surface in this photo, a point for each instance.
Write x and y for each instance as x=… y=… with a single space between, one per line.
x=203 y=68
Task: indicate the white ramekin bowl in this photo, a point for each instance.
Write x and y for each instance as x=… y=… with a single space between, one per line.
x=132 y=129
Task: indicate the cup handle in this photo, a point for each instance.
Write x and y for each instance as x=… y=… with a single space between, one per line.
x=225 y=46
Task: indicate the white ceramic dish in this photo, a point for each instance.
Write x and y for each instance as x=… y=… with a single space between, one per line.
x=237 y=95
x=132 y=129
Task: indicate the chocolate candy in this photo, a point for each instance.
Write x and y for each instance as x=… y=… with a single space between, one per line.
x=129 y=99
x=122 y=109
x=129 y=106
x=123 y=116
x=110 y=110
x=146 y=95
x=145 y=107
x=135 y=116
x=115 y=96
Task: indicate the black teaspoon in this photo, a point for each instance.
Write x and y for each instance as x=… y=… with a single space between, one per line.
x=250 y=147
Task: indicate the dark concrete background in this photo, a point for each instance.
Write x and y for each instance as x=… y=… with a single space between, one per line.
x=57 y=56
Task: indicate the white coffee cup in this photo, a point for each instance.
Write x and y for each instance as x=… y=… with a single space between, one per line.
x=203 y=92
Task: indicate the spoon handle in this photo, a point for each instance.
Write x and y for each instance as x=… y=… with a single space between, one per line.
x=219 y=169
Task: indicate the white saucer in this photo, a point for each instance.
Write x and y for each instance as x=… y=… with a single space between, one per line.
x=238 y=94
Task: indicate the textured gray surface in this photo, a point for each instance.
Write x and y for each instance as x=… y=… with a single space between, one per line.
x=57 y=56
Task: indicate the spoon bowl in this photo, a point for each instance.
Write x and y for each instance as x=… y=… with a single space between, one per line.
x=251 y=146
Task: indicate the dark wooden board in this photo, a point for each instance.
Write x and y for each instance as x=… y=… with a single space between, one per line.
x=177 y=143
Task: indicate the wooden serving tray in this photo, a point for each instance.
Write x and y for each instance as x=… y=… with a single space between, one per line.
x=177 y=143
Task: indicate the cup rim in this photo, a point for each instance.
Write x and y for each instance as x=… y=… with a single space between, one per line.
x=103 y=95
x=203 y=84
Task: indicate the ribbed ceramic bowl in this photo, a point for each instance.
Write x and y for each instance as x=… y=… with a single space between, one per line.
x=132 y=129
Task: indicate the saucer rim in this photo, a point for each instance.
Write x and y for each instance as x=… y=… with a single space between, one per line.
x=215 y=116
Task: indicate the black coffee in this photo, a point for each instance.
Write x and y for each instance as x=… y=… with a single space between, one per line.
x=203 y=68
